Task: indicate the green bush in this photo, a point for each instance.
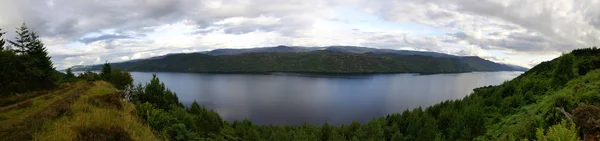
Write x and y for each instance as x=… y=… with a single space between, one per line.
x=120 y=79
x=89 y=76
x=565 y=131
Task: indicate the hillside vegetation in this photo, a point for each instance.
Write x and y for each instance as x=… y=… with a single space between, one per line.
x=311 y=62
x=77 y=111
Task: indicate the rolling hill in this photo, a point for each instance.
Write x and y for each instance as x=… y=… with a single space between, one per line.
x=336 y=59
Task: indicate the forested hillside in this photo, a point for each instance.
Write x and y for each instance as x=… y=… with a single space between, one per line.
x=556 y=100
x=313 y=62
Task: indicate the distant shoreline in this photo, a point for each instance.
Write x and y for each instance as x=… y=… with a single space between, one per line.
x=323 y=73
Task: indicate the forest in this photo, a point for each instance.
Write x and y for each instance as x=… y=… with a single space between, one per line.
x=555 y=100
x=310 y=62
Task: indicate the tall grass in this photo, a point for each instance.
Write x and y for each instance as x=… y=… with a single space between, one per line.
x=83 y=111
x=97 y=115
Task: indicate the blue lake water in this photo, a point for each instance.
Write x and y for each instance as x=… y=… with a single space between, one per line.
x=289 y=98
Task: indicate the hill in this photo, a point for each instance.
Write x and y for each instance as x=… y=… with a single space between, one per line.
x=329 y=60
x=76 y=111
x=339 y=49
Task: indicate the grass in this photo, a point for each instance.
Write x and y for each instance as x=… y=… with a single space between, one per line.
x=102 y=133
x=83 y=111
x=95 y=115
x=5 y=101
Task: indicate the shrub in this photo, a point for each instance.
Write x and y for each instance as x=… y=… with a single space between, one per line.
x=120 y=79
x=107 y=101
x=588 y=118
x=89 y=76
x=565 y=131
x=98 y=133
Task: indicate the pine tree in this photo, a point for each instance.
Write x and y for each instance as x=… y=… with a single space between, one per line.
x=325 y=132
x=27 y=67
x=37 y=51
x=70 y=73
x=22 y=40
x=195 y=108
x=105 y=73
x=2 y=42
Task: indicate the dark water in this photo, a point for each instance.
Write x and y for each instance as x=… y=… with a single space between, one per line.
x=284 y=98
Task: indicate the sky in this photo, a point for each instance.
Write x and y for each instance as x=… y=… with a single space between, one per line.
x=520 y=32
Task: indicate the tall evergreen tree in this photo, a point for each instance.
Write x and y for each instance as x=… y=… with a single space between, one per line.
x=22 y=40
x=105 y=73
x=70 y=73
x=28 y=66
x=39 y=55
x=2 y=42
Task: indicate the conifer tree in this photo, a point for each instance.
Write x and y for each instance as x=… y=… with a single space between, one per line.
x=22 y=40
x=70 y=73
x=2 y=42
x=39 y=55
x=33 y=67
x=105 y=73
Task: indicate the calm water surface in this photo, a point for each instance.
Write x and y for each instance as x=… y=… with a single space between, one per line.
x=287 y=98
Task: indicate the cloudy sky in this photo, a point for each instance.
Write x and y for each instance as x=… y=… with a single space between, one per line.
x=521 y=32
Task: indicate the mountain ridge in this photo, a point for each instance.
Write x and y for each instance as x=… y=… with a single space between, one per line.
x=334 y=59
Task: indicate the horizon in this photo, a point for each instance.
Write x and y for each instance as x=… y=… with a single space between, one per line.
x=275 y=47
x=509 y=32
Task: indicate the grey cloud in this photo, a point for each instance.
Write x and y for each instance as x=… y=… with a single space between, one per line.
x=562 y=24
x=460 y=35
x=75 y=18
x=103 y=37
x=530 y=26
x=494 y=34
x=515 y=41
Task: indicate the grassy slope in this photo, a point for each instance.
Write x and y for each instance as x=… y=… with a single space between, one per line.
x=78 y=111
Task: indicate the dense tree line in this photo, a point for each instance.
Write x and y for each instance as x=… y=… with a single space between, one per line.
x=556 y=100
x=25 y=63
x=312 y=62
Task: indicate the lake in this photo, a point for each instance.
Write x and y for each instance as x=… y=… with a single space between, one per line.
x=292 y=99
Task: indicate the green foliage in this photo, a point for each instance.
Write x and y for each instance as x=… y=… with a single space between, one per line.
x=106 y=70
x=89 y=76
x=2 y=42
x=70 y=73
x=156 y=93
x=26 y=68
x=313 y=62
x=120 y=79
x=565 y=131
x=23 y=39
x=325 y=132
x=67 y=77
x=564 y=71
x=208 y=121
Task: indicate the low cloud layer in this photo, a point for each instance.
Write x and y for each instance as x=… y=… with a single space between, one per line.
x=522 y=32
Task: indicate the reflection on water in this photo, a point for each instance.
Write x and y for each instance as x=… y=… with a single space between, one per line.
x=291 y=98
